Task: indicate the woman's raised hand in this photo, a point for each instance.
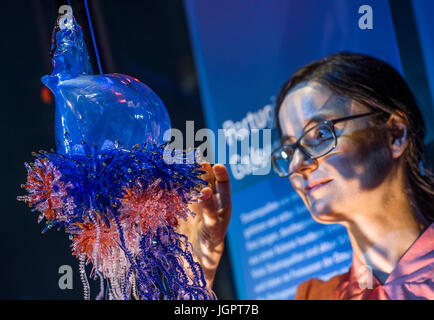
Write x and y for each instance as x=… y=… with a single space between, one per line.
x=206 y=231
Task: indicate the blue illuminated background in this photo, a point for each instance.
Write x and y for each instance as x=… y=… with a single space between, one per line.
x=244 y=51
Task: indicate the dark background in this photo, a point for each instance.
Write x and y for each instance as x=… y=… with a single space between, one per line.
x=145 y=39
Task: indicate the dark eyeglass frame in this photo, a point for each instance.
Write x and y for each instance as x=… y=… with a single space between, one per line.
x=297 y=145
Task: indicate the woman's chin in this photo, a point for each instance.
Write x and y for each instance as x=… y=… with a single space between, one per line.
x=322 y=212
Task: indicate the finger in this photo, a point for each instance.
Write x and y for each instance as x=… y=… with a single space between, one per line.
x=208 y=176
x=196 y=204
x=223 y=188
x=209 y=211
x=206 y=193
x=220 y=173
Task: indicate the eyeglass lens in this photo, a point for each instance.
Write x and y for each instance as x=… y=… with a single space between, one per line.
x=316 y=142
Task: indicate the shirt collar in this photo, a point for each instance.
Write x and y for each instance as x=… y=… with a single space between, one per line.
x=418 y=256
x=412 y=266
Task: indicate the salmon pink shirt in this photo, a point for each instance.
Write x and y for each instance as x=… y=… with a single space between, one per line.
x=412 y=278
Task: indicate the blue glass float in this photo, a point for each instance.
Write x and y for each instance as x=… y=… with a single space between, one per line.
x=99 y=109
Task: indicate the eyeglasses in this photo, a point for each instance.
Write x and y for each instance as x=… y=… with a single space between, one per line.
x=314 y=143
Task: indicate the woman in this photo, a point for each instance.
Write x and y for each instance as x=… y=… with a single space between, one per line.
x=352 y=138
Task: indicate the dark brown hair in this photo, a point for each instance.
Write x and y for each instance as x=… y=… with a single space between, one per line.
x=377 y=85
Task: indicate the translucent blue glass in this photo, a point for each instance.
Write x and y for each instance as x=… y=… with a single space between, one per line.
x=99 y=109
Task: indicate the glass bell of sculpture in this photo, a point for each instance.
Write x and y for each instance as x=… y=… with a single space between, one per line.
x=99 y=109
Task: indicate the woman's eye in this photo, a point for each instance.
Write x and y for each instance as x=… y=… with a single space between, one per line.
x=321 y=133
x=316 y=136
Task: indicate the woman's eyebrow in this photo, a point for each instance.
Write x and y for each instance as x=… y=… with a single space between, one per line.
x=316 y=119
x=328 y=109
x=285 y=138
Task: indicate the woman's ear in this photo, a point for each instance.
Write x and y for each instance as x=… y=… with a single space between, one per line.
x=397 y=133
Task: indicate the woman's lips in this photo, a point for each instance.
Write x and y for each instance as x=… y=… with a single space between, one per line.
x=315 y=185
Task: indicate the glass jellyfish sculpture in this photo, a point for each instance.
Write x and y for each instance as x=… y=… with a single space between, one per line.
x=108 y=184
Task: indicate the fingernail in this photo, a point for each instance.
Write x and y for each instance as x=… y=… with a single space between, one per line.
x=206 y=192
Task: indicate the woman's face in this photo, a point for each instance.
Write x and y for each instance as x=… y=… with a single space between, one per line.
x=343 y=181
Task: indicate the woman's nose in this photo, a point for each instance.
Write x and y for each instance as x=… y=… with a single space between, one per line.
x=302 y=162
